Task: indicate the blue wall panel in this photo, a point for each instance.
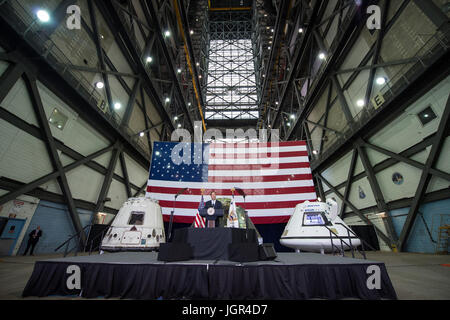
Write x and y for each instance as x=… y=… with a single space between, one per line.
x=56 y=226
x=435 y=214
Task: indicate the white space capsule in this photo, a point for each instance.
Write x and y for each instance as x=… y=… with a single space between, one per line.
x=138 y=226
x=316 y=227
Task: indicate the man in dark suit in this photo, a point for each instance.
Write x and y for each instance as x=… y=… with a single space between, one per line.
x=33 y=239
x=213 y=203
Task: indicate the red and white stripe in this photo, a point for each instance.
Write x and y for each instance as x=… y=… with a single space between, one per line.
x=199 y=221
x=275 y=178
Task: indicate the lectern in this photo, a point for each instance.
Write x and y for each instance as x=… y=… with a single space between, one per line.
x=211 y=215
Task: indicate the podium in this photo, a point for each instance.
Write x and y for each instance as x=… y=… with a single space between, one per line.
x=211 y=215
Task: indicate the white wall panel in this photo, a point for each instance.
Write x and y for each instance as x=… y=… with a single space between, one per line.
x=443 y=163
x=3 y=66
x=51 y=186
x=355 y=199
x=23 y=157
x=137 y=174
x=354 y=58
x=375 y=157
x=85 y=183
x=117 y=194
x=77 y=134
x=338 y=172
x=18 y=102
x=406 y=131
x=104 y=159
x=390 y=190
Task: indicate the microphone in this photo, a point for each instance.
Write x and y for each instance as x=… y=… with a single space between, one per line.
x=240 y=191
x=181 y=191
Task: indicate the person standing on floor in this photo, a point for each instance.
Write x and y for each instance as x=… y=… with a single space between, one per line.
x=33 y=240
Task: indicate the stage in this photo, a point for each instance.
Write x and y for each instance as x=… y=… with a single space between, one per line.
x=138 y=275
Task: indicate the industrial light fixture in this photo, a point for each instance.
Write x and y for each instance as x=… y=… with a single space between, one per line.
x=43 y=15
x=189 y=104
x=381 y=81
x=288 y=124
x=167 y=100
x=269 y=47
x=322 y=56
x=167 y=33
x=276 y=102
x=175 y=118
x=117 y=105
x=178 y=70
x=315 y=152
x=272 y=30
x=141 y=134
x=192 y=32
x=179 y=125
x=99 y=85
x=197 y=64
x=360 y=103
x=300 y=30
x=149 y=59
x=200 y=76
x=293 y=116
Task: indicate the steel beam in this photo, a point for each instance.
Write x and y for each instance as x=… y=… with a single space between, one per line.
x=108 y=179
x=9 y=79
x=130 y=105
x=416 y=164
x=376 y=190
x=426 y=177
x=40 y=181
x=53 y=153
x=125 y=174
x=348 y=185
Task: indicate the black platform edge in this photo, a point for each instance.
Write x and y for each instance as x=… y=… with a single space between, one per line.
x=213 y=281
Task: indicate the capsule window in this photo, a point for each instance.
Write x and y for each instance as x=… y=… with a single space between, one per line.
x=136 y=218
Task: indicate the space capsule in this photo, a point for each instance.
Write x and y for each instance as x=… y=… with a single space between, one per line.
x=316 y=227
x=138 y=226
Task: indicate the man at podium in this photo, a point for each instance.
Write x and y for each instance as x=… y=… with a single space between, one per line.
x=214 y=203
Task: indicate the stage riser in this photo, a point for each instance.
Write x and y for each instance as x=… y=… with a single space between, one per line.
x=224 y=282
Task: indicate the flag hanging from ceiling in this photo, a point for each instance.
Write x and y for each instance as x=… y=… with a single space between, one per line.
x=275 y=177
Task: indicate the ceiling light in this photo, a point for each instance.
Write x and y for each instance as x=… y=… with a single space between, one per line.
x=197 y=64
x=117 y=105
x=300 y=30
x=200 y=76
x=179 y=70
x=360 y=103
x=43 y=15
x=167 y=33
x=288 y=124
x=267 y=28
x=100 y=85
x=167 y=100
x=271 y=30
x=189 y=104
x=59 y=126
x=315 y=152
x=192 y=32
x=149 y=59
x=293 y=116
x=269 y=48
x=276 y=102
x=265 y=15
x=322 y=56
x=141 y=134
x=175 y=118
x=381 y=80
x=179 y=125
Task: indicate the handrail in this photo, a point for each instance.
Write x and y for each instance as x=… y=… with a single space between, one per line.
x=362 y=240
x=343 y=242
x=71 y=237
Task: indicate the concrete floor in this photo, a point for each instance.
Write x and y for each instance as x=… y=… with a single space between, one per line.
x=414 y=276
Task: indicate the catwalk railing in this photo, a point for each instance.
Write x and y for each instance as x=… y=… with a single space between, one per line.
x=20 y=19
x=433 y=49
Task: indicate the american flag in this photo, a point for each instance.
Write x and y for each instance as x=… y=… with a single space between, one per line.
x=276 y=177
x=199 y=220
